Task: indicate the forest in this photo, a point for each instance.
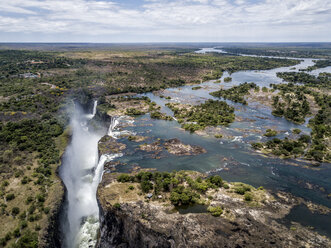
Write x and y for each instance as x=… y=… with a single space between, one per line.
x=323 y=80
x=287 y=50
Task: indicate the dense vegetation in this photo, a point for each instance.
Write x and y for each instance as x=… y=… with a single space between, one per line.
x=286 y=50
x=316 y=146
x=210 y=113
x=236 y=93
x=291 y=103
x=323 y=80
x=319 y=64
x=160 y=116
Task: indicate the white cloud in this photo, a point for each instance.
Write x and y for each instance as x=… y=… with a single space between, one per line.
x=192 y=20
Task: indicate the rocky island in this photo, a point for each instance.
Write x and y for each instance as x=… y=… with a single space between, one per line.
x=144 y=210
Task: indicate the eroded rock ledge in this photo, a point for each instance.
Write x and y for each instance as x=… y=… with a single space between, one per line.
x=128 y=219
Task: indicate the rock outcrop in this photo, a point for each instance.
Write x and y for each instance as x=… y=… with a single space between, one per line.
x=128 y=219
x=109 y=145
x=175 y=146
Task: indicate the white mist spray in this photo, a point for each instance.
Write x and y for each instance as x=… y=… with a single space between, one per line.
x=81 y=173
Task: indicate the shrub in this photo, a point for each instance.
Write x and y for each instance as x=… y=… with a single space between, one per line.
x=5 y=183
x=17 y=232
x=296 y=131
x=29 y=199
x=123 y=178
x=15 y=211
x=28 y=240
x=241 y=189
x=227 y=79
x=117 y=205
x=257 y=145
x=24 y=224
x=216 y=180
x=146 y=186
x=40 y=198
x=10 y=197
x=270 y=133
x=131 y=187
x=248 y=196
x=215 y=211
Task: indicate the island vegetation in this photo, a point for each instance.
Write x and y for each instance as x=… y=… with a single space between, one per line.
x=183 y=188
x=236 y=93
x=323 y=80
x=296 y=108
x=210 y=113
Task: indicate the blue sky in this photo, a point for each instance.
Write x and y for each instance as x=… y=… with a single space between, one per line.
x=165 y=20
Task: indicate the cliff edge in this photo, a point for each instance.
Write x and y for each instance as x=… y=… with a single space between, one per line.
x=235 y=214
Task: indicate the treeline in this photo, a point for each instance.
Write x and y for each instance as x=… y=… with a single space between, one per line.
x=278 y=51
x=15 y=62
x=319 y=64
x=236 y=93
x=323 y=80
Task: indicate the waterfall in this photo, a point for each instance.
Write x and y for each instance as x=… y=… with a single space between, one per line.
x=113 y=125
x=81 y=172
x=90 y=116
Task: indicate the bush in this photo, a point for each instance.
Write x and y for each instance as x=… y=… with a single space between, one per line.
x=270 y=133
x=117 y=205
x=5 y=183
x=304 y=138
x=123 y=178
x=23 y=224
x=215 y=211
x=296 y=131
x=131 y=187
x=17 y=232
x=242 y=189
x=15 y=211
x=215 y=180
x=146 y=186
x=227 y=79
x=248 y=196
x=28 y=240
x=10 y=197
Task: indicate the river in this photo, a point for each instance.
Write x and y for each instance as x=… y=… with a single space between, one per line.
x=233 y=158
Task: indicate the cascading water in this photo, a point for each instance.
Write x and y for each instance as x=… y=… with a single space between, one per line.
x=90 y=116
x=81 y=173
x=114 y=123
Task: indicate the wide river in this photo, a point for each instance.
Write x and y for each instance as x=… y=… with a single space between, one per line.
x=234 y=159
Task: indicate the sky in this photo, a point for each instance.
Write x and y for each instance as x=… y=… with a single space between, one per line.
x=165 y=21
